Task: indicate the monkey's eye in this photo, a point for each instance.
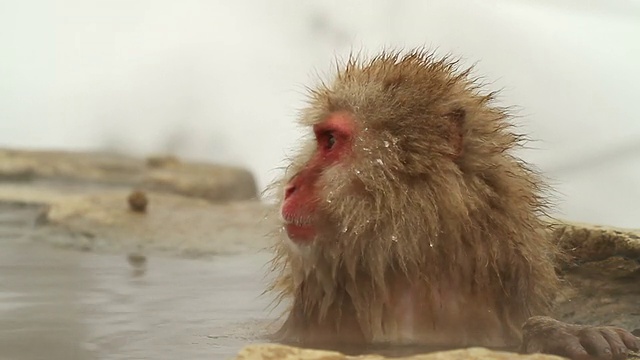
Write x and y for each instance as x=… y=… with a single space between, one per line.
x=330 y=140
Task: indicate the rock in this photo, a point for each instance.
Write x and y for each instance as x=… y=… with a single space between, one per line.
x=161 y=174
x=205 y=181
x=138 y=201
x=87 y=202
x=101 y=220
x=19 y=165
x=602 y=273
x=585 y=243
x=282 y=352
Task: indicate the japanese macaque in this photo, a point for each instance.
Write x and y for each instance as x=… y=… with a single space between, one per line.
x=409 y=220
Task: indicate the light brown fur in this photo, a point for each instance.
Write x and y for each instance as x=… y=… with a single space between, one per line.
x=432 y=206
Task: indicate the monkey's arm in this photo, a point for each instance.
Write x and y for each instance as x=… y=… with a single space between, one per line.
x=546 y=335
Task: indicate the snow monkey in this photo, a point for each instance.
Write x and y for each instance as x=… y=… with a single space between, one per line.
x=409 y=220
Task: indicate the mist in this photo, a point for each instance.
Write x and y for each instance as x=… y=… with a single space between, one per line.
x=223 y=81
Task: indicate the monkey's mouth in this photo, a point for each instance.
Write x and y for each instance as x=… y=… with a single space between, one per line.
x=299 y=230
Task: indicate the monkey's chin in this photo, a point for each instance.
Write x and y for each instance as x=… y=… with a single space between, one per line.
x=300 y=234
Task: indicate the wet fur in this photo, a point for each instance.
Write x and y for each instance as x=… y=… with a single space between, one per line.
x=432 y=200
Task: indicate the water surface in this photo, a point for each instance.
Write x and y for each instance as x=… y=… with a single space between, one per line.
x=63 y=304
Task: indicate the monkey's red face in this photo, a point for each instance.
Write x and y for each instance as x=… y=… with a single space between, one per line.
x=334 y=138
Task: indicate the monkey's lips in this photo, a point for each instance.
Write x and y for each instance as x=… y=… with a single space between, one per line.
x=300 y=233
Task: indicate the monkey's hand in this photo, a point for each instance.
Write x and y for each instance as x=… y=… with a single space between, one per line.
x=543 y=334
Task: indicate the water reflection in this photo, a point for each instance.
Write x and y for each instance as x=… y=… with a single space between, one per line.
x=57 y=304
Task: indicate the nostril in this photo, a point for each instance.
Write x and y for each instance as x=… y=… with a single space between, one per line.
x=289 y=190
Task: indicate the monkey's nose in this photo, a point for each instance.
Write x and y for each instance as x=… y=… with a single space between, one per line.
x=289 y=190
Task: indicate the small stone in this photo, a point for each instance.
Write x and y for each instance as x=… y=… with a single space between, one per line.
x=138 y=201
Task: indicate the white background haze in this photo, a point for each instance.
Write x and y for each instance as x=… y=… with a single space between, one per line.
x=223 y=80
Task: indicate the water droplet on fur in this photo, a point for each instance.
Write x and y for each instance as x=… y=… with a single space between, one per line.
x=394 y=238
x=357 y=171
x=386 y=144
x=345 y=229
x=379 y=161
x=430 y=244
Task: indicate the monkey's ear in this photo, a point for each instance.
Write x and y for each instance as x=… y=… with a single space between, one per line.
x=456 y=124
